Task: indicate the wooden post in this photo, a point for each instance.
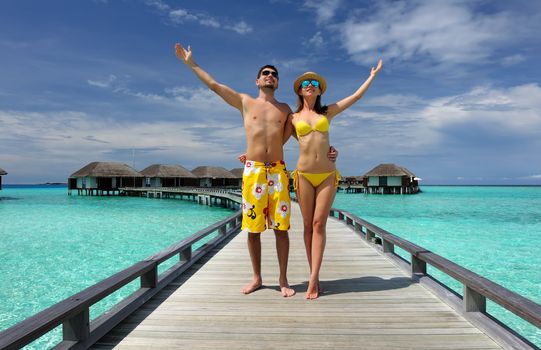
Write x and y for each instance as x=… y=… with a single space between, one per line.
x=223 y=230
x=388 y=247
x=473 y=301
x=369 y=235
x=340 y=216
x=349 y=221
x=150 y=279
x=78 y=327
x=186 y=254
x=418 y=266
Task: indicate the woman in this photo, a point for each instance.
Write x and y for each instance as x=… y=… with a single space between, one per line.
x=316 y=178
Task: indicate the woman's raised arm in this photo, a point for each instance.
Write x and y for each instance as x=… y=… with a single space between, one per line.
x=341 y=105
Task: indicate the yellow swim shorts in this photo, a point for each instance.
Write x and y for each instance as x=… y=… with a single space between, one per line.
x=265 y=196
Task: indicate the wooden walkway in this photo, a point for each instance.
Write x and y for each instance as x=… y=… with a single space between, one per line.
x=368 y=303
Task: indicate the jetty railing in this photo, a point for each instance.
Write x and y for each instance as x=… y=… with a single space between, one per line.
x=476 y=289
x=73 y=313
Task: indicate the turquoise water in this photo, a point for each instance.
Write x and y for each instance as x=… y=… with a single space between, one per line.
x=493 y=231
x=55 y=245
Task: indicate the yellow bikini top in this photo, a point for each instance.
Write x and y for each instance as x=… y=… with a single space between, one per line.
x=303 y=128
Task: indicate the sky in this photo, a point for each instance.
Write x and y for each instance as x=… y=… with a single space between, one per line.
x=458 y=100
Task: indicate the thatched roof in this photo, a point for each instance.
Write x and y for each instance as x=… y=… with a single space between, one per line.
x=3 y=172
x=237 y=172
x=212 y=172
x=389 y=170
x=106 y=169
x=163 y=170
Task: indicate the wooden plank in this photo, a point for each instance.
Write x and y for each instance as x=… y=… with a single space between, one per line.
x=367 y=303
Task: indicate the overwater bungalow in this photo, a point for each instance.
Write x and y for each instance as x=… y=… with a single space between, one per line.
x=213 y=176
x=104 y=178
x=2 y=172
x=390 y=179
x=161 y=175
x=238 y=174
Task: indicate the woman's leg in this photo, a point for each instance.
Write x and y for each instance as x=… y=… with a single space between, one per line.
x=324 y=197
x=305 y=196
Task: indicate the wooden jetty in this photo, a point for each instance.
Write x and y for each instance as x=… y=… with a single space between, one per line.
x=206 y=196
x=372 y=299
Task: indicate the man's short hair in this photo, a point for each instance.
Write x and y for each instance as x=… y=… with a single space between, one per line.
x=266 y=66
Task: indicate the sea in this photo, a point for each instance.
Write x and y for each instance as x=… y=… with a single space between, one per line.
x=494 y=231
x=55 y=245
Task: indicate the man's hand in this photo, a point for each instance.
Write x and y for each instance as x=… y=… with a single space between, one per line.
x=242 y=158
x=333 y=154
x=375 y=71
x=184 y=55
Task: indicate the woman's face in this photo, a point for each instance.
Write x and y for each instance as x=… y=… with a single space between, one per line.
x=307 y=88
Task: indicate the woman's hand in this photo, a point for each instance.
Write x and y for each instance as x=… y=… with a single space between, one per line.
x=242 y=158
x=376 y=70
x=333 y=154
x=184 y=55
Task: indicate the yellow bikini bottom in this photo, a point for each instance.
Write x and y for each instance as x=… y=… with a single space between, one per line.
x=315 y=178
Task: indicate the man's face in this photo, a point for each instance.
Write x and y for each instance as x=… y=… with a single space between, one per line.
x=268 y=79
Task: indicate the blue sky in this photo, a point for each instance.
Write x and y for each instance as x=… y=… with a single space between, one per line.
x=458 y=100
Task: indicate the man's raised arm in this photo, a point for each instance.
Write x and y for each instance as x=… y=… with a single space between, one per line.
x=229 y=95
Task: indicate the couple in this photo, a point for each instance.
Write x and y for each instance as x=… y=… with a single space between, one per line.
x=265 y=191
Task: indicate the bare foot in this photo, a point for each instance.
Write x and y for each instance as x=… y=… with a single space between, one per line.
x=313 y=290
x=252 y=286
x=285 y=289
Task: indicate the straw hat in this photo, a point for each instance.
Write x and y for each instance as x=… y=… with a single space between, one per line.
x=310 y=76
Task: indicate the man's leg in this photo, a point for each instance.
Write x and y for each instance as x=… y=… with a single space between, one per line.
x=254 y=248
x=282 y=249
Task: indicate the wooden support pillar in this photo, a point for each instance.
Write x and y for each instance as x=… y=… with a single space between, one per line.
x=369 y=235
x=77 y=327
x=418 y=266
x=150 y=278
x=186 y=254
x=388 y=247
x=473 y=301
x=222 y=230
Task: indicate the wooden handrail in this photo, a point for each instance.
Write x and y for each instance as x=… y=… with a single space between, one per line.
x=73 y=312
x=485 y=288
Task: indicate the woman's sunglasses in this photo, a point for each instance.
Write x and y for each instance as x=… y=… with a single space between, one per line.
x=307 y=82
x=271 y=72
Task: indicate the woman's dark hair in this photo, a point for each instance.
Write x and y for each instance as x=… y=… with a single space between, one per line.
x=266 y=66
x=317 y=107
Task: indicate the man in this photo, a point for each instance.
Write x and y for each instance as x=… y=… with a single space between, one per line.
x=265 y=190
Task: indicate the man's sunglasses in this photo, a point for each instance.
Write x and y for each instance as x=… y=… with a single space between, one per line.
x=307 y=82
x=271 y=72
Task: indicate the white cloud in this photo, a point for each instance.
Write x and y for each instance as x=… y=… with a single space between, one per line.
x=316 y=41
x=513 y=59
x=241 y=27
x=532 y=177
x=158 y=4
x=406 y=124
x=297 y=64
x=446 y=32
x=75 y=138
x=103 y=83
x=210 y=22
x=325 y=9
x=180 y=16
